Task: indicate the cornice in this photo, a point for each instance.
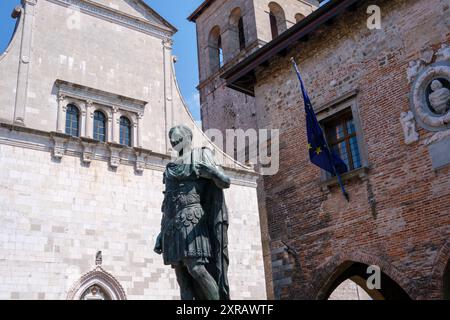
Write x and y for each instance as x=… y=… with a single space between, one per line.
x=117 y=17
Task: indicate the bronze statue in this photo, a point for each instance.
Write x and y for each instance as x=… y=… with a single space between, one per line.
x=193 y=238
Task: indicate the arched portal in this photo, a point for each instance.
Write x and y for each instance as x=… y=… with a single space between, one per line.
x=97 y=285
x=360 y=273
x=446 y=282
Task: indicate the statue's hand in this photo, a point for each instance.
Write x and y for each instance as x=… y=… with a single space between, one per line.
x=205 y=171
x=158 y=245
x=208 y=172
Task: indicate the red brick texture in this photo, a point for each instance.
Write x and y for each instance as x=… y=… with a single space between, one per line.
x=399 y=216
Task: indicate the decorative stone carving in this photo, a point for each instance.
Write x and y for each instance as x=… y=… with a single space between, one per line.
x=95 y=293
x=88 y=149
x=98 y=258
x=430 y=96
x=140 y=160
x=437 y=137
x=409 y=127
x=414 y=69
x=444 y=53
x=115 y=150
x=427 y=55
x=59 y=141
x=100 y=278
x=440 y=97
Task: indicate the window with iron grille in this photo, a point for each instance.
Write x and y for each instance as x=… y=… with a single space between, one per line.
x=72 y=120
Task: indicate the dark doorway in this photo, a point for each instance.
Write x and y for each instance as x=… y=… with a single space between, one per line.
x=446 y=286
x=358 y=273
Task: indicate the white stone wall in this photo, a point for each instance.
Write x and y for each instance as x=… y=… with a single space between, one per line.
x=55 y=216
x=57 y=212
x=290 y=8
x=9 y=63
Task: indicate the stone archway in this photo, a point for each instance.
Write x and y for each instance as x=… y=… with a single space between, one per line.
x=97 y=285
x=357 y=272
x=446 y=282
x=354 y=266
x=440 y=278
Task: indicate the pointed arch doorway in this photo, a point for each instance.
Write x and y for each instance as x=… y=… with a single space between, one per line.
x=357 y=273
x=97 y=285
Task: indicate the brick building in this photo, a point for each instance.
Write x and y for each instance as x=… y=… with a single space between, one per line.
x=227 y=32
x=382 y=97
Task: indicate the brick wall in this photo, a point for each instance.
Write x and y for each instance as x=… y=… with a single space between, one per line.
x=398 y=217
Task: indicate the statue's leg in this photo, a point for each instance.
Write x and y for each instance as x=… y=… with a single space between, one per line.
x=204 y=281
x=185 y=282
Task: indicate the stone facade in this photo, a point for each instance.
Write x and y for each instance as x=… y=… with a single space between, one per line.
x=221 y=107
x=398 y=214
x=64 y=199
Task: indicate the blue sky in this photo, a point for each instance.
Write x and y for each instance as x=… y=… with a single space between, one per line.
x=185 y=43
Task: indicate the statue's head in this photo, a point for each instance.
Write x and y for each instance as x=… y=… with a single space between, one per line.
x=180 y=137
x=436 y=85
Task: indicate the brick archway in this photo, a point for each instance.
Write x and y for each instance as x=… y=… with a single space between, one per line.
x=441 y=270
x=330 y=272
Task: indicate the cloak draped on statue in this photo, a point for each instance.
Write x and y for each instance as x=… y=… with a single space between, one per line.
x=214 y=207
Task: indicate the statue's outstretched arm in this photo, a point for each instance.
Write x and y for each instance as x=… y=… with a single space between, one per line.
x=209 y=169
x=221 y=180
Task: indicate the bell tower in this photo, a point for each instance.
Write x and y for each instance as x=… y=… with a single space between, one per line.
x=227 y=32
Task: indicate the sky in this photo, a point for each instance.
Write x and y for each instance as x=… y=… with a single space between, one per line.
x=185 y=42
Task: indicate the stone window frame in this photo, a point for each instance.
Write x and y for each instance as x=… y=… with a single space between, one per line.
x=107 y=112
x=238 y=36
x=277 y=19
x=215 y=50
x=104 y=123
x=79 y=116
x=98 y=277
x=349 y=102
x=89 y=100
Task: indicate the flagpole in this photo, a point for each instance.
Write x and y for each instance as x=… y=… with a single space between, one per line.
x=341 y=184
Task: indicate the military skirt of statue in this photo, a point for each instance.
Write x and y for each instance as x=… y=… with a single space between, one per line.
x=184 y=225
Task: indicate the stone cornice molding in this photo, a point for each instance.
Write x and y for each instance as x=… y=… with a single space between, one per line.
x=71 y=90
x=62 y=145
x=117 y=17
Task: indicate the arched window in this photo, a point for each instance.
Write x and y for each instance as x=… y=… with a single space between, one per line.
x=125 y=131
x=299 y=17
x=99 y=126
x=215 y=49
x=277 y=19
x=72 y=120
x=237 y=42
x=219 y=43
x=241 y=34
x=273 y=25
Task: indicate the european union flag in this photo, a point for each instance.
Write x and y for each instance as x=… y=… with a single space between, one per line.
x=319 y=152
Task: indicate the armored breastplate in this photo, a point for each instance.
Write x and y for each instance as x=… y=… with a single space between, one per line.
x=183 y=202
